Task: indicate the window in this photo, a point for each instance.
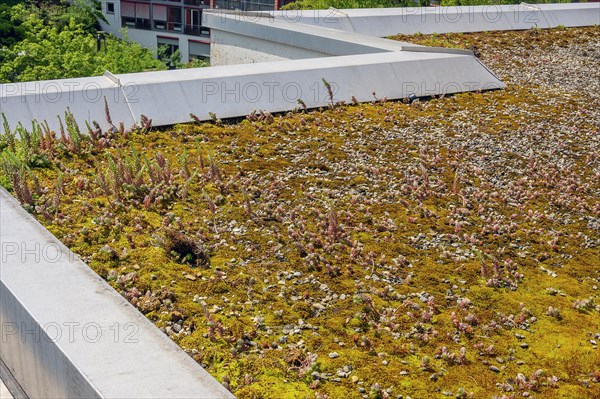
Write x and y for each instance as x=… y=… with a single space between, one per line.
x=159 y=14
x=135 y=15
x=193 y=19
x=110 y=8
x=167 y=18
x=246 y=5
x=196 y=2
x=199 y=50
x=167 y=46
x=174 y=19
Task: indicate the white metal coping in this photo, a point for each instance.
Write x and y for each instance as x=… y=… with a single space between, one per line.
x=236 y=90
x=65 y=333
x=358 y=66
x=382 y=22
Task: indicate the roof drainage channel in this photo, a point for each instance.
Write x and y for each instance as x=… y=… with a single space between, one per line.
x=67 y=333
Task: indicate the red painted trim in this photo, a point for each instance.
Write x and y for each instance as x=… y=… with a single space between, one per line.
x=198 y=41
x=276 y=5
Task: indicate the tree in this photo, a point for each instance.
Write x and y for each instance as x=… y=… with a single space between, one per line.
x=58 y=49
x=11 y=29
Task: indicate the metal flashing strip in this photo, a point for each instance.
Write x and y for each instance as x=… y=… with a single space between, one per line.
x=108 y=75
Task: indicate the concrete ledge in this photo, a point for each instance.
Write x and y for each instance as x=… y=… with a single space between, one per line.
x=355 y=66
x=289 y=40
x=237 y=40
x=65 y=333
x=169 y=97
x=382 y=22
x=237 y=90
x=47 y=100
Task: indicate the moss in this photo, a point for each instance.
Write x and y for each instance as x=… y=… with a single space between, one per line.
x=347 y=219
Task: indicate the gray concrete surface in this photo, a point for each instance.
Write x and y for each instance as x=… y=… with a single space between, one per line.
x=232 y=49
x=273 y=40
x=236 y=40
x=67 y=334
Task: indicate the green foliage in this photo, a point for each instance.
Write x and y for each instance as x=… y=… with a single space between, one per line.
x=197 y=63
x=172 y=59
x=11 y=29
x=55 y=41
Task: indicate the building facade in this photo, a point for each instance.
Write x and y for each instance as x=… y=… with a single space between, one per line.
x=176 y=24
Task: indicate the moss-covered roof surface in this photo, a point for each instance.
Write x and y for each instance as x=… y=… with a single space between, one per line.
x=444 y=248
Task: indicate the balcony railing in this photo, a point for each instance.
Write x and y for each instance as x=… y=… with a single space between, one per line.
x=137 y=23
x=196 y=2
x=168 y=26
x=196 y=30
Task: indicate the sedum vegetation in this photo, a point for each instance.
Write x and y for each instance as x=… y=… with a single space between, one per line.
x=42 y=40
x=441 y=248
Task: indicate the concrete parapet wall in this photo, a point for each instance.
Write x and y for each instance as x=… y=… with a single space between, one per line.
x=168 y=97
x=237 y=90
x=232 y=48
x=381 y=22
x=355 y=66
x=285 y=39
x=48 y=100
x=242 y=39
x=65 y=333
